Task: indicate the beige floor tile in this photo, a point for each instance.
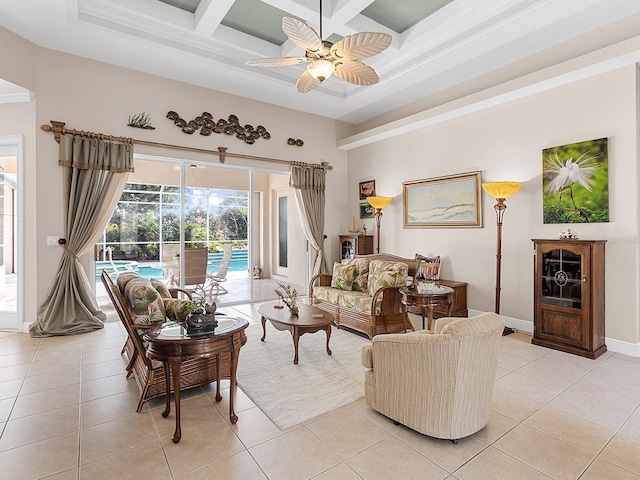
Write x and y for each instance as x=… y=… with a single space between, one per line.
x=109 y=408
x=200 y=446
x=529 y=387
x=6 y=406
x=360 y=406
x=502 y=372
x=103 y=387
x=10 y=348
x=444 y=453
x=237 y=467
x=35 y=428
x=47 y=381
x=296 y=455
x=145 y=462
x=40 y=459
x=105 y=369
x=498 y=426
x=71 y=474
x=93 y=356
x=14 y=372
x=47 y=400
x=193 y=411
x=254 y=427
x=347 y=434
x=510 y=362
x=241 y=402
x=115 y=342
x=340 y=472
x=631 y=427
x=623 y=451
x=492 y=464
x=520 y=346
x=591 y=409
x=603 y=470
x=10 y=388
x=553 y=373
x=513 y=405
x=570 y=429
x=616 y=395
x=116 y=436
x=62 y=352
x=16 y=359
x=392 y=459
x=553 y=457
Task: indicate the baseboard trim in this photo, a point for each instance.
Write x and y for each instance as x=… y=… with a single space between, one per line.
x=613 y=345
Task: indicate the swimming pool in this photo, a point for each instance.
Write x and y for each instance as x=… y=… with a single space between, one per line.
x=239 y=263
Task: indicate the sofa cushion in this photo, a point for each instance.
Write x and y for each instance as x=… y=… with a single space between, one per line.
x=144 y=302
x=361 y=280
x=124 y=278
x=386 y=274
x=343 y=276
x=161 y=288
x=359 y=301
x=176 y=309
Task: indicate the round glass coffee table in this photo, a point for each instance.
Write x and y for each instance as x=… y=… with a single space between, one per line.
x=438 y=296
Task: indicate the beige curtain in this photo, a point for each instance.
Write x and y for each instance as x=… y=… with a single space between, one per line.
x=95 y=175
x=309 y=185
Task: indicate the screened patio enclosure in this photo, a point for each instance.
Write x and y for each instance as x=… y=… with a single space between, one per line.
x=169 y=206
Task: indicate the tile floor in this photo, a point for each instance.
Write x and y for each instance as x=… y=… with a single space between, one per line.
x=67 y=412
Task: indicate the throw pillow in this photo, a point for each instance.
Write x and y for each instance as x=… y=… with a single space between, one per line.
x=386 y=274
x=161 y=288
x=343 y=276
x=428 y=266
x=361 y=280
x=124 y=278
x=144 y=302
x=176 y=309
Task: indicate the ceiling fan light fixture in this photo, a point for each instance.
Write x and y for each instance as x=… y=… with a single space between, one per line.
x=321 y=69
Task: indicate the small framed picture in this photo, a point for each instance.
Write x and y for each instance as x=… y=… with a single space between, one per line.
x=367 y=189
x=366 y=210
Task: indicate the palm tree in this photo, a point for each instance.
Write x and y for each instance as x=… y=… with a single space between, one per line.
x=563 y=175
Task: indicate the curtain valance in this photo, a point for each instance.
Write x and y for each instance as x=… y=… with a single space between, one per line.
x=89 y=153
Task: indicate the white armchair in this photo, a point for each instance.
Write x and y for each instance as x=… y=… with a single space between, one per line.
x=438 y=384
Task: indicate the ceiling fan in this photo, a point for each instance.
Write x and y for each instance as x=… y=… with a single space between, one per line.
x=325 y=58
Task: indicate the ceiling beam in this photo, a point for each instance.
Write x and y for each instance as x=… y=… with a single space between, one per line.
x=209 y=16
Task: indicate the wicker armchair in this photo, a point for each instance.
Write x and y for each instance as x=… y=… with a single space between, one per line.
x=149 y=374
x=437 y=384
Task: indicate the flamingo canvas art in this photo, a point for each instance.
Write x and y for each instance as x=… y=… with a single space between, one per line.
x=575 y=181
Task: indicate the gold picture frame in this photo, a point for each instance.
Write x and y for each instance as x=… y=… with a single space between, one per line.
x=451 y=201
x=367 y=189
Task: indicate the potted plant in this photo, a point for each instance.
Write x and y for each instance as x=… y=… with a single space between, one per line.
x=289 y=296
x=201 y=317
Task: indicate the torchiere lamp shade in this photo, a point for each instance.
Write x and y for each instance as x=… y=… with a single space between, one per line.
x=379 y=202
x=501 y=189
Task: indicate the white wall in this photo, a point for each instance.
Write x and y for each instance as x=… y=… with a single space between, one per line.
x=505 y=142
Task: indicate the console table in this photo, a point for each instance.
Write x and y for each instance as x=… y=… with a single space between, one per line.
x=169 y=343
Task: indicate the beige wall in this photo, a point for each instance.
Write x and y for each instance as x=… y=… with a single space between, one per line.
x=505 y=143
x=94 y=96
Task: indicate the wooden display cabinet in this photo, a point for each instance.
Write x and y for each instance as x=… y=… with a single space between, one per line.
x=352 y=245
x=569 y=296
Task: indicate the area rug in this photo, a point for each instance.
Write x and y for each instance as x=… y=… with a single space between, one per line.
x=291 y=394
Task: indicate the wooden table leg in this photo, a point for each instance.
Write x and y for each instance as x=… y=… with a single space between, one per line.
x=296 y=339
x=175 y=373
x=430 y=317
x=219 y=377
x=235 y=353
x=264 y=329
x=167 y=384
x=328 y=330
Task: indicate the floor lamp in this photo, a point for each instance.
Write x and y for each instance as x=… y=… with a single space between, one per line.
x=500 y=191
x=378 y=203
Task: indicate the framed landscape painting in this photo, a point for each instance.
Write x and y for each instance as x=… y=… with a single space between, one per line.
x=452 y=201
x=367 y=189
x=575 y=183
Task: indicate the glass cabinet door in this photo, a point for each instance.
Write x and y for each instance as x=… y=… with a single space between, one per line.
x=562 y=278
x=348 y=249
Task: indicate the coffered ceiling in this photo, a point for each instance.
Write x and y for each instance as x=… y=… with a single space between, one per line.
x=437 y=44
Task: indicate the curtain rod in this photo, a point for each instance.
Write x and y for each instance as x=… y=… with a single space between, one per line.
x=58 y=129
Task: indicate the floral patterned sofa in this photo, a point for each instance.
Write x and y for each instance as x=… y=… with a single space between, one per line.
x=363 y=293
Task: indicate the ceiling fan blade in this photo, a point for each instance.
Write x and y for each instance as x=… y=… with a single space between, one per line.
x=361 y=45
x=301 y=34
x=356 y=73
x=306 y=82
x=275 y=62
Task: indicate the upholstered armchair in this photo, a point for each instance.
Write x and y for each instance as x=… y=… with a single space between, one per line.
x=439 y=384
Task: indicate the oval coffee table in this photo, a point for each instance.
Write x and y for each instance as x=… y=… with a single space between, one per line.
x=310 y=319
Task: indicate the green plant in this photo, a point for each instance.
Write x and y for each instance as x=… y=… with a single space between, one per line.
x=289 y=296
x=196 y=306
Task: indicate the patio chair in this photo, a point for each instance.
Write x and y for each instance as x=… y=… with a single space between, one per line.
x=195 y=272
x=215 y=279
